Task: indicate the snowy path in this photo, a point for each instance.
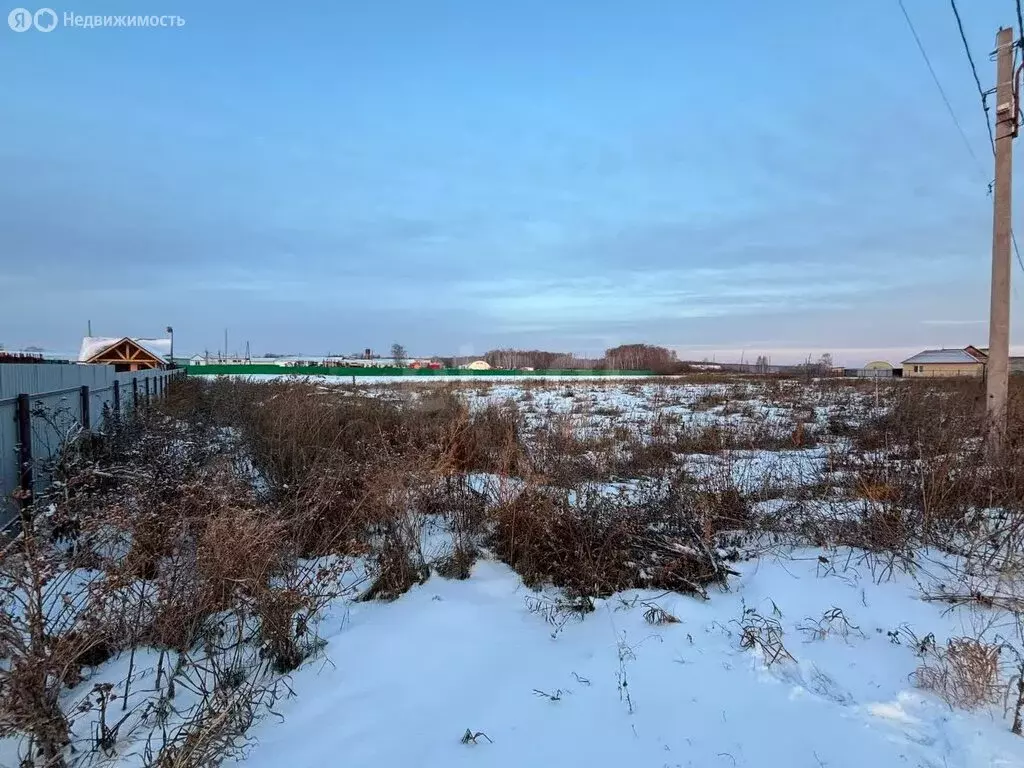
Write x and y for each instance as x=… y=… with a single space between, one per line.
x=406 y=679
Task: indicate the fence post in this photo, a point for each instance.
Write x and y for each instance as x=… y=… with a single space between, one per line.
x=117 y=398
x=147 y=391
x=26 y=480
x=86 y=416
x=135 y=394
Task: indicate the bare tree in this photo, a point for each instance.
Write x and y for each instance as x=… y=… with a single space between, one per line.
x=632 y=357
x=398 y=354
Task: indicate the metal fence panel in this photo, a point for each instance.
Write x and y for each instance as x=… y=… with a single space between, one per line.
x=55 y=396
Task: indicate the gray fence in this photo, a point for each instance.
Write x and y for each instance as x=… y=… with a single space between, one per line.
x=42 y=404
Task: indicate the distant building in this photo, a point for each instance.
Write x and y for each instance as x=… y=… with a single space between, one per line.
x=125 y=353
x=1016 y=363
x=876 y=369
x=945 y=362
x=478 y=365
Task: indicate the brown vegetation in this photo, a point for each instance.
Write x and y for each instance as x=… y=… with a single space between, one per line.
x=214 y=531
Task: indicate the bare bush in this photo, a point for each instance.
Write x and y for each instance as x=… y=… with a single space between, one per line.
x=965 y=673
x=765 y=634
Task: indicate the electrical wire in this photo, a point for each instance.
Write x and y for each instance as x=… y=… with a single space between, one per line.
x=1020 y=44
x=942 y=91
x=1020 y=26
x=974 y=71
x=984 y=94
x=981 y=92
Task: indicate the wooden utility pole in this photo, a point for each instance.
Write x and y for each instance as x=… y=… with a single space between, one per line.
x=998 y=367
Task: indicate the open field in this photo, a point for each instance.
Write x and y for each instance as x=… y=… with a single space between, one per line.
x=664 y=572
x=389 y=373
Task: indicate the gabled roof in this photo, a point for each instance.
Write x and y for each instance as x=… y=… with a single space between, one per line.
x=958 y=356
x=93 y=346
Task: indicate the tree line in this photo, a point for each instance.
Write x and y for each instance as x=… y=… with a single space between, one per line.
x=626 y=357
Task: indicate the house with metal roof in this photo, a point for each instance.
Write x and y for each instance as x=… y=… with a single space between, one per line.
x=945 y=362
x=1016 y=362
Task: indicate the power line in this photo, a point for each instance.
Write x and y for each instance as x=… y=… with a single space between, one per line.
x=974 y=71
x=981 y=92
x=1020 y=43
x=1020 y=25
x=942 y=91
x=984 y=94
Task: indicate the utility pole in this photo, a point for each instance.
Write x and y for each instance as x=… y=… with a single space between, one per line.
x=998 y=366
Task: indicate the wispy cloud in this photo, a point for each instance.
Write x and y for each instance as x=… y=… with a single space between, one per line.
x=662 y=294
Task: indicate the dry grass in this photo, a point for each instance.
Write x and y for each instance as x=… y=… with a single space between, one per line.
x=965 y=673
x=198 y=520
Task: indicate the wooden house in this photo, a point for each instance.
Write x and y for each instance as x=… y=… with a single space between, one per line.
x=125 y=353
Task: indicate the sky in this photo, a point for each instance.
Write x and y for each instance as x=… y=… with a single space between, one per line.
x=729 y=179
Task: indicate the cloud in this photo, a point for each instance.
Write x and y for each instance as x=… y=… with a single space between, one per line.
x=671 y=294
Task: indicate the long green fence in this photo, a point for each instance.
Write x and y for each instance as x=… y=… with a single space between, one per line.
x=316 y=370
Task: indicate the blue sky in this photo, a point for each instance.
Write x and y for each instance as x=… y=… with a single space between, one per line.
x=726 y=178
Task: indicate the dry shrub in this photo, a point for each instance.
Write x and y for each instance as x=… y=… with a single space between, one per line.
x=645 y=458
x=876 y=491
x=764 y=634
x=560 y=454
x=886 y=528
x=458 y=564
x=180 y=557
x=709 y=400
x=598 y=544
x=925 y=471
x=756 y=435
x=464 y=510
x=585 y=551
x=238 y=551
x=337 y=461
x=454 y=499
x=279 y=634
x=179 y=617
x=399 y=564
x=966 y=673
x=486 y=441
x=723 y=509
x=658 y=616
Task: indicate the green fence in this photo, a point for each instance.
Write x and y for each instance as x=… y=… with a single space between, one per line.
x=315 y=370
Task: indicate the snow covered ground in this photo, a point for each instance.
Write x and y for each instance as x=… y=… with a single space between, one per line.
x=811 y=657
x=403 y=682
x=413 y=378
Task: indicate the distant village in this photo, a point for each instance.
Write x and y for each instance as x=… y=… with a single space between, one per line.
x=131 y=353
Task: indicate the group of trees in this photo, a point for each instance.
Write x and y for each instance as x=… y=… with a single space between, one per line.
x=626 y=357
x=535 y=358
x=641 y=357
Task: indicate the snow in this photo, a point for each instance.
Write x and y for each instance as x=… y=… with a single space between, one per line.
x=94 y=345
x=400 y=683
x=406 y=680
x=420 y=378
